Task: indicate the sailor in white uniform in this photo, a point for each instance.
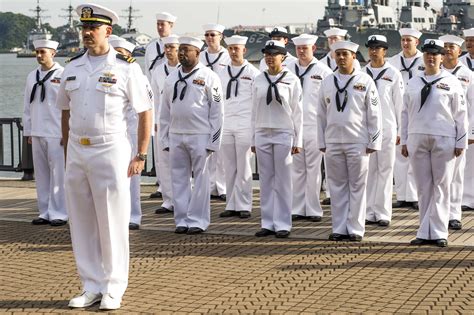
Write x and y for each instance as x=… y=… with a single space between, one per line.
x=306 y=175
x=451 y=63
x=349 y=129
x=410 y=63
x=334 y=35
x=42 y=126
x=216 y=58
x=433 y=135
x=237 y=82
x=390 y=85
x=97 y=87
x=190 y=128
x=468 y=193
x=277 y=124
x=158 y=78
x=279 y=34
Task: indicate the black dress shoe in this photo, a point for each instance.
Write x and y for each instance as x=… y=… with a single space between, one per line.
x=401 y=204
x=181 y=230
x=264 y=232
x=155 y=195
x=297 y=217
x=338 y=237
x=39 y=221
x=419 y=241
x=441 y=242
x=162 y=210
x=223 y=197
x=326 y=201
x=314 y=218
x=415 y=205
x=455 y=225
x=194 y=230
x=57 y=222
x=466 y=208
x=282 y=234
x=383 y=222
x=133 y=226
x=355 y=238
x=367 y=222
x=228 y=213
x=244 y=214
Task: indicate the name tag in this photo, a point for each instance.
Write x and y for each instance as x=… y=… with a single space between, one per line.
x=72 y=78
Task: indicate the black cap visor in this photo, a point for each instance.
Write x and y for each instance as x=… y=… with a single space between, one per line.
x=432 y=49
x=376 y=44
x=272 y=50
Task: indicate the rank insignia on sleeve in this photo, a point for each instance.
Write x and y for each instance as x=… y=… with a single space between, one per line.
x=200 y=82
x=443 y=86
x=316 y=77
x=374 y=101
x=360 y=87
x=216 y=95
x=72 y=78
x=56 y=80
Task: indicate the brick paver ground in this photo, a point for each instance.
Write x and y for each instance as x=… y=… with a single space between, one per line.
x=236 y=272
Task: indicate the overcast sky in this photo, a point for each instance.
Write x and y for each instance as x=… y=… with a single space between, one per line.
x=191 y=14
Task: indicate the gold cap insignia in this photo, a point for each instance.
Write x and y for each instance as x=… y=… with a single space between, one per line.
x=86 y=12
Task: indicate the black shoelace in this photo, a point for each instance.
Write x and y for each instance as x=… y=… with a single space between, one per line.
x=297 y=71
x=381 y=73
x=232 y=79
x=275 y=88
x=41 y=84
x=343 y=90
x=410 y=74
x=182 y=79
x=211 y=64
x=425 y=91
x=159 y=55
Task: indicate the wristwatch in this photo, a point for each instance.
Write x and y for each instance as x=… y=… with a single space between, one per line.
x=141 y=156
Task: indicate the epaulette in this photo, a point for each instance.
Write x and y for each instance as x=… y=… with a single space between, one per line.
x=127 y=59
x=76 y=56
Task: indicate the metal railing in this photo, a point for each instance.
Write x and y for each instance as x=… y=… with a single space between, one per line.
x=11 y=131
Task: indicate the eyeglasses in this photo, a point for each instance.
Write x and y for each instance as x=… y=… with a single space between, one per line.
x=210 y=34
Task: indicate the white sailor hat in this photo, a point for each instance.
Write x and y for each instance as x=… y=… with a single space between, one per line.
x=433 y=46
x=118 y=42
x=409 y=32
x=278 y=31
x=335 y=32
x=377 y=41
x=469 y=32
x=213 y=27
x=344 y=44
x=172 y=39
x=95 y=15
x=43 y=43
x=236 y=40
x=165 y=16
x=274 y=47
x=193 y=41
x=451 y=39
x=305 y=39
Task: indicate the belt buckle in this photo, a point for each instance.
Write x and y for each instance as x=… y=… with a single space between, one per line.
x=85 y=141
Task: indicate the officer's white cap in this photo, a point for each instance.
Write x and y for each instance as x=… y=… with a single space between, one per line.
x=213 y=27
x=172 y=39
x=305 y=39
x=91 y=13
x=335 y=32
x=165 y=16
x=451 y=39
x=344 y=44
x=122 y=43
x=469 y=32
x=410 y=32
x=236 y=40
x=43 y=43
x=193 y=41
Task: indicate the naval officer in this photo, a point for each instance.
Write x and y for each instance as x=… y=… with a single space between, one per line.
x=277 y=126
x=349 y=130
x=279 y=34
x=433 y=135
x=42 y=127
x=97 y=88
x=390 y=85
x=237 y=81
x=191 y=129
x=306 y=173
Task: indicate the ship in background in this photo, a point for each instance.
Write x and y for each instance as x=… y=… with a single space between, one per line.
x=70 y=40
x=38 y=32
x=132 y=35
x=455 y=16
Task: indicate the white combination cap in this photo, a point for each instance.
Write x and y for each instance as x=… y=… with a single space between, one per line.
x=344 y=44
x=377 y=41
x=172 y=39
x=236 y=40
x=43 y=43
x=278 y=31
x=305 y=39
x=213 y=27
x=94 y=14
x=165 y=16
x=451 y=39
x=410 y=32
x=335 y=32
x=122 y=43
x=274 y=47
x=469 y=32
x=193 y=41
x=433 y=46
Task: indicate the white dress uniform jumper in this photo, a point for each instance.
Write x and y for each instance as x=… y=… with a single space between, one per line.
x=42 y=122
x=98 y=91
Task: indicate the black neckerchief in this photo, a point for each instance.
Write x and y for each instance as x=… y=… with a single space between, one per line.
x=40 y=83
x=182 y=79
x=469 y=63
x=343 y=90
x=425 y=91
x=381 y=73
x=456 y=70
x=274 y=86
x=410 y=74
x=328 y=61
x=159 y=55
x=297 y=71
x=211 y=64
x=232 y=79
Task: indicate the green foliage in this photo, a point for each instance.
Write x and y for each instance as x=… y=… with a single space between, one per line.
x=14 y=29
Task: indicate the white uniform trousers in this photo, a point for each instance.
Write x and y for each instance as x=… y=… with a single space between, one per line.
x=405 y=186
x=468 y=194
x=48 y=161
x=188 y=155
x=156 y=149
x=457 y=188
x=328 y=193
x=432 y=160
x=347 y=165
x=306 y=176
x=217 y=174
x=98 y=202
x=136 y=214
x=380 y=179
x=273 y=147
x=238 y=168
x=165 y=177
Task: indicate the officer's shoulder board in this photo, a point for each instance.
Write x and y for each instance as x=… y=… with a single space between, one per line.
x=76 y=56
x=127 y=59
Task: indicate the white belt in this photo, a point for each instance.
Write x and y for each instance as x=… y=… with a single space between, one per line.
x=84 y=140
